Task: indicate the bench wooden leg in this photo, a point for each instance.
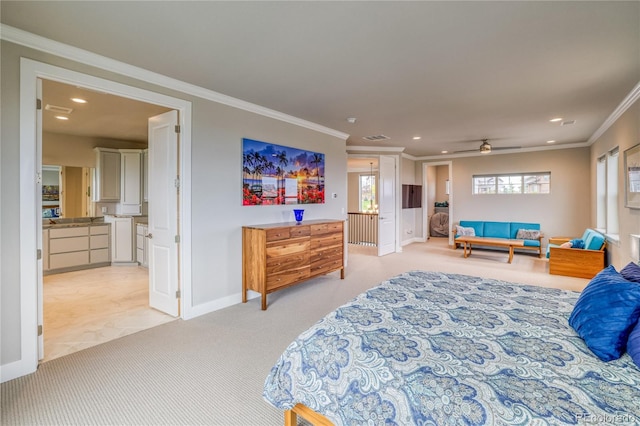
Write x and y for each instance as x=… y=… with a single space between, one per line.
x=510 y=253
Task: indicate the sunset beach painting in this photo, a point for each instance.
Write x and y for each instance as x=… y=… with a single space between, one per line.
x=275 y=174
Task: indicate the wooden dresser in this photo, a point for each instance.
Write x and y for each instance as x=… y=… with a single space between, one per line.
x=279 y=255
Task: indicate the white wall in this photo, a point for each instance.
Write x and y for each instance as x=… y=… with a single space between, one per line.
x=217 y=211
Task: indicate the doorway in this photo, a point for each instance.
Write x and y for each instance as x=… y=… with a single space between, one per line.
x=87 y=307
x=438 y=195
x=31 y=221
x=372 y=202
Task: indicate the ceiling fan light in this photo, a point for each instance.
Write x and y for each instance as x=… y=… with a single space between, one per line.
x=485 y=148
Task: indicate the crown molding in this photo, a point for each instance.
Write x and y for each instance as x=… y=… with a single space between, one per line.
x=626 y=103
x=36 y=42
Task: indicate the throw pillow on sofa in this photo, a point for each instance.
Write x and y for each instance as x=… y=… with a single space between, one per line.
x=466 y=231
x=605 y=313
x=528 y=234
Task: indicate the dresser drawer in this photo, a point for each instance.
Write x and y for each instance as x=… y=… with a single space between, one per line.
x=300 y=231
x=326 y=254
x=287 y=277
x=325 y=266
x=281 y=263
x=326 y=240
x=285 y=248
x=325 y=228
x=277 y=234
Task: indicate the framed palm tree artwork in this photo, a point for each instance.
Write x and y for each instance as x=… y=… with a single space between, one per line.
x=275 y=174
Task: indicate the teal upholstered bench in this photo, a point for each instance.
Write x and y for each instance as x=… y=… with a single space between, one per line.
x=506 y=230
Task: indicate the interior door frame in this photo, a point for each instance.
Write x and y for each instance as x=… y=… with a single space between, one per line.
x=425 y=189
x=30 y=161
x=398 y=188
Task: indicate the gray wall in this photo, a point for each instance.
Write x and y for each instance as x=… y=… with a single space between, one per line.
x=624 y=133
x=217 y=213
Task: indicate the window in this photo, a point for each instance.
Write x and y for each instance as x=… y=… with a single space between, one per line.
x=368 y=193
x=601 y=193
x=612 y=192
x=607 y=194
x=513 y=183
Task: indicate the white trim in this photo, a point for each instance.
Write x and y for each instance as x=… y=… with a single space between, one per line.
x=24 y=38
x=31 y=223
x=221 y=303
x=626 y=103
x=11 y=371
x=413 y=240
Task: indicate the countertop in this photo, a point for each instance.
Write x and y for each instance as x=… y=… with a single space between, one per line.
x=73 y=222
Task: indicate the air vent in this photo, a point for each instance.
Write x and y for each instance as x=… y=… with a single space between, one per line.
x=568 y=122
x=58 y=109
x=376 y=138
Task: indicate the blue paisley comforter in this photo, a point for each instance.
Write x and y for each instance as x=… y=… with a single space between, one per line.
x=435 y=348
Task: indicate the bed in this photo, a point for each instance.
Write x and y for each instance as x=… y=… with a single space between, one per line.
x=436 y=348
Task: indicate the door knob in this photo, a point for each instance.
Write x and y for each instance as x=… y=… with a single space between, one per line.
x=149 y=235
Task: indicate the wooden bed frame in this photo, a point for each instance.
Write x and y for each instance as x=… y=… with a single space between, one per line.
x=291 y=416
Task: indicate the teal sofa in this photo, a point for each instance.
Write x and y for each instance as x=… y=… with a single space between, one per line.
x=507 y=230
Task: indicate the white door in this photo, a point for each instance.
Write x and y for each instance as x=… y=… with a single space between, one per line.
x=163 y=176
x=387 y=205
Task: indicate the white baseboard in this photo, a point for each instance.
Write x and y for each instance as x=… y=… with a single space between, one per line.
x=413 y=240
x=216 y=305
x=13 y=370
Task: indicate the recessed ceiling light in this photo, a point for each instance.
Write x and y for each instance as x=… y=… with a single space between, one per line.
x=351 y=120
x=555 y=120
x=61 y=117
x=552 y=141
x=416 y=138
x=444 y=152
x=79 y=100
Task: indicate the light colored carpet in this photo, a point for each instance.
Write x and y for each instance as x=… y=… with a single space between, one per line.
x=210 y=370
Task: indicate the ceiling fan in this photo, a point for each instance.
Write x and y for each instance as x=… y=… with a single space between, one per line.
x=485 y=147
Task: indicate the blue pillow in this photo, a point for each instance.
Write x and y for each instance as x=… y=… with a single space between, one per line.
x=631 y=272
x=633 y=344
x=577 y=243
x=605 y=312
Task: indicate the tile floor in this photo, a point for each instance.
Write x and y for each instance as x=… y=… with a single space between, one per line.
x=93 y=306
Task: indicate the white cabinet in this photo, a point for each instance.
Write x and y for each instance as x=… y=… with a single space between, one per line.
x=130 y=182
x=107 y=175
x=142 y=244
x=121 y=238
x=99 y=244
x=68 y=247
